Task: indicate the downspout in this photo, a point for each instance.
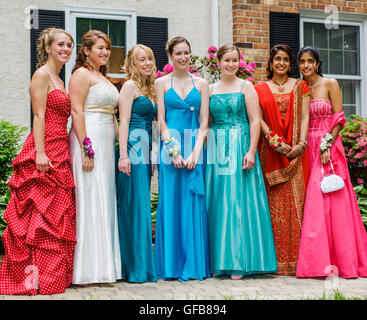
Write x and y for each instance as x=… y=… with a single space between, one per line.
x=215 y=23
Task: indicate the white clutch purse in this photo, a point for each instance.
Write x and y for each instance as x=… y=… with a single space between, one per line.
x=331 y=182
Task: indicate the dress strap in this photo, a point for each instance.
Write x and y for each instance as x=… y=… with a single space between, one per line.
x=243 y=83
x=171 y=79
x=193 y=82
x=51 y=80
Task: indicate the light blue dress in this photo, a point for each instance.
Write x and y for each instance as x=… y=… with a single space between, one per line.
x=241 y=237
x=182 y=239
x=133 y=197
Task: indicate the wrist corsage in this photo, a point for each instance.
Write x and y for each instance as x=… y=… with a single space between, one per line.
x=87 y=148
x=172 y=147
x=274 y=141
x=326 y=142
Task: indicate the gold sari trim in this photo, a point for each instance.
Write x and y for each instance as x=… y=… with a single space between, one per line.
x=285 y=174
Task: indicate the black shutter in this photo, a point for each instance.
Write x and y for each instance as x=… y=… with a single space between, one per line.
x=46 y=19
x=284 y=28
x=153 y=32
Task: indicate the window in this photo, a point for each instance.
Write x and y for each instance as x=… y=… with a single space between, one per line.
x=119 y=25
x=340 y=51
x=115 y=29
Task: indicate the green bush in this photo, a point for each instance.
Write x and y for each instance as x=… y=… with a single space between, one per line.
x=10 y=138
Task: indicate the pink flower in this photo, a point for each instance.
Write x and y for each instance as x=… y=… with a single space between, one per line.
x=241 y=57
x=190 y=69
x=195 y=74
x=352 y=160
x=242 y=64
x=159 y=74
x=249 y=69
x=212 y=56
x=212 y=49
x=365 y=163
x=360 y=181
x=214 y=66
x=359 y=155
x=168 y=68
x=251 y=79
x=252 y=65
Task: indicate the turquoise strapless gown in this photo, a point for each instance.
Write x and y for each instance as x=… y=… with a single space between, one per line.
x=133 y=197
x=182 y=239
x=241 y=237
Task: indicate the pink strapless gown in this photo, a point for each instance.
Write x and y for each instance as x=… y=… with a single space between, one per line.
x=333 y=234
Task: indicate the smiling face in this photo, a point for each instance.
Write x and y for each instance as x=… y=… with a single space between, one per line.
x=144 y=63
x=229 y=62
x=61 y=48
x=99 y=53
x=281 y=63
x=307 y=64
x=180 y=56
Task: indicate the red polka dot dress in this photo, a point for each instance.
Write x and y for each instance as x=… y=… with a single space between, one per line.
x=40 y=238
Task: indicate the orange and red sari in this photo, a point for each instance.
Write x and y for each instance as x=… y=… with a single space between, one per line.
x=285 y=179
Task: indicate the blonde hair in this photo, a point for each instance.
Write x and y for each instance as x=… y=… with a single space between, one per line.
x=46 y=39
x=89 y=40
x=129 y=67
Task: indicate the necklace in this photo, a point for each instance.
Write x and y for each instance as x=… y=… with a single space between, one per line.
x=280 y=86
x=315 y=84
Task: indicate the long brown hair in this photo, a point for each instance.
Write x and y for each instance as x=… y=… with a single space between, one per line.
x=89 y=40
x=46 y=39
x=146 y=88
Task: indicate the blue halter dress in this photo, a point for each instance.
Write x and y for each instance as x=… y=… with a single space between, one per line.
x=182 y=238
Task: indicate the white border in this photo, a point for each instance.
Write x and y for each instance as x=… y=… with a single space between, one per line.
x=361 y=91
x=72 y=12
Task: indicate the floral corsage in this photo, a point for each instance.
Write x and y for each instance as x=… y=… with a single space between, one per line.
x=326 y=142
x=172 y=147
x=87 y=148
x=274 y=141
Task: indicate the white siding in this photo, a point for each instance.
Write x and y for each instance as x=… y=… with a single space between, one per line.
x=190 y=19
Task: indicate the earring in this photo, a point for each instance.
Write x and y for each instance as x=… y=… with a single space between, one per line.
x=87 y=59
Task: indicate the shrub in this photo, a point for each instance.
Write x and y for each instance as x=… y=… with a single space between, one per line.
x=10 y=136
x=354 y=137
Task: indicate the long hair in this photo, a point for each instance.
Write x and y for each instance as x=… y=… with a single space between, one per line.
x=46 y=39
x=273 y=51
x=314 y=53
x=129 y=67
x=89 y=40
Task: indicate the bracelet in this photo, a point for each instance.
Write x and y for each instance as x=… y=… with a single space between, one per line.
x=274 y=141
x=326 y=142
x=300 y=147
x=87 y=148
x=124 y=158
x=172 y=147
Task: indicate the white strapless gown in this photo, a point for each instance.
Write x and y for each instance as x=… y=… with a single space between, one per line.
x=97 y=252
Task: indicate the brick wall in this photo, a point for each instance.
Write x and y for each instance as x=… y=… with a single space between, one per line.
x=251 y=24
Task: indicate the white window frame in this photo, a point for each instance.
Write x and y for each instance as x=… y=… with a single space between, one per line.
x=361 y=90
x=72 y=13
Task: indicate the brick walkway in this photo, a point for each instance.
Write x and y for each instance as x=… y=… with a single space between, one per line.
x=259 y=287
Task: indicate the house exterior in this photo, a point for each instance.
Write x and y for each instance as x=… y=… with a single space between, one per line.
x=338 y=28
x=127 y=22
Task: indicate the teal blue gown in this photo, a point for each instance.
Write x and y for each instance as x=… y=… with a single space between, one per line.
x=182 y=239
x=241 y=237
x=133 y=197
